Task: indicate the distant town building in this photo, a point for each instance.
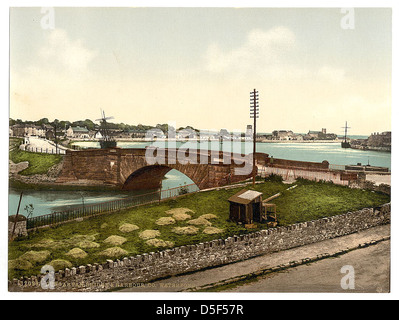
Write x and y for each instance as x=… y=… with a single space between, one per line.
x=22 y=130
x=50 y=134
x=320 y=135
x=313 y=135
x=18 y=130
x=379 y=141
x=138 y=133
x=186 y=133
x=376 y=142
x=78 y=132
x=224 y=134
x=283 y=135
x=98 y=135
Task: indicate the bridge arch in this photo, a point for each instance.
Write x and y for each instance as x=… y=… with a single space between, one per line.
x=150 y=177
x=147 y=177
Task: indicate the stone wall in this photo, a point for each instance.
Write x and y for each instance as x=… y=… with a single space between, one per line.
x=263 y=159
x=20 y=226
x=146 y=267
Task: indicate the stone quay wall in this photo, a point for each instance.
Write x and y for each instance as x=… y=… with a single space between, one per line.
x=133 y=271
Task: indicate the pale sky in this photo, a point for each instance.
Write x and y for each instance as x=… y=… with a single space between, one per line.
x=196 y=66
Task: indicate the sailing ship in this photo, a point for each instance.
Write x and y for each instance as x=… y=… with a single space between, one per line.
x=107 y=141
x=345 y=144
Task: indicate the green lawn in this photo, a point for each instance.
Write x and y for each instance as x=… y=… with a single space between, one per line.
x=39 y=163
x=308 y=201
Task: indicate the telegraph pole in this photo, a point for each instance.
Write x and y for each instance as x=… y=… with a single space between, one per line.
x=55 y=136
x=16 y=217
x=254 y=114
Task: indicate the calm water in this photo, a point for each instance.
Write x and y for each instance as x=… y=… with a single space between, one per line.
x=47 y=202
x=51 y=201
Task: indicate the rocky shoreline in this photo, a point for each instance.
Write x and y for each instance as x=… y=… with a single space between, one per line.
x=49 y=178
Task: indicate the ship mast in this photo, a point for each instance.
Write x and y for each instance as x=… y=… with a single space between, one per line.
x=346 y=130
x=345 y=143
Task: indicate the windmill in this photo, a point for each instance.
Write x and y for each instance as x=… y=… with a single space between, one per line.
x=106 y=141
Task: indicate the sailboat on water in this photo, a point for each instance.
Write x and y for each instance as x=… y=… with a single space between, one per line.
x=345 y=143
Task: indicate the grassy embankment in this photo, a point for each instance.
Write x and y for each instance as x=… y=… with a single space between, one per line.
x=39 y=163
x=308 y=201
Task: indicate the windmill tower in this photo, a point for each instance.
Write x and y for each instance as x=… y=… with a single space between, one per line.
x=107 y=141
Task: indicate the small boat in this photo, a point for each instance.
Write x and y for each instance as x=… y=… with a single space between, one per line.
x=345 y=144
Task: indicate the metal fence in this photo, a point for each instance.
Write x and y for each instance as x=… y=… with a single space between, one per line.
x=107 y=207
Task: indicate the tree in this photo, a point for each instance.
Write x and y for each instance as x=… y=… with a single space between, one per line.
x=90 y=125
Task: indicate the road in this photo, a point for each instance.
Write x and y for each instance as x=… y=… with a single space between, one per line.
x=43 y=145
x=371 y=267
x=371 y=274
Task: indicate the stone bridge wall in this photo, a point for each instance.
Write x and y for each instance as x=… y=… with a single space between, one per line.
x=114 y=166
x=147 y=267
x=265 y=160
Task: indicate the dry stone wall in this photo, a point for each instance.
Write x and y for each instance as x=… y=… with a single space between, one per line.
x=17 y=229
x=132 y=271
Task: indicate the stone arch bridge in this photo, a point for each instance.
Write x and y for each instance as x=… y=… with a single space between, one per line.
x=130 y=169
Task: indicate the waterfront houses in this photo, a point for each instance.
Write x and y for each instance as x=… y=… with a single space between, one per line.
x=283 y=135
x=320 y=135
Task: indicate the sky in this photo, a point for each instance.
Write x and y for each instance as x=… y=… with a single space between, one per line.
x=313 y=68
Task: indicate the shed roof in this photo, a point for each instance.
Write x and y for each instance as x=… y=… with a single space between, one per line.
x=245 y=196
x=80 y=129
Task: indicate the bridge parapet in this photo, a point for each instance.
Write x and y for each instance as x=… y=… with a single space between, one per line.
x=135 y=169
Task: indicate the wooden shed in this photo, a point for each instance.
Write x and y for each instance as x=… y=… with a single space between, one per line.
x=246 y=206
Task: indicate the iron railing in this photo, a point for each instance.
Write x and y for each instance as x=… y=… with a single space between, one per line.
x=107 y=207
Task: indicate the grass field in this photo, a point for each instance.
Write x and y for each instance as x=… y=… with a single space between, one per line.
x=39 y=163
x=94 y=240
x=14 y=143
